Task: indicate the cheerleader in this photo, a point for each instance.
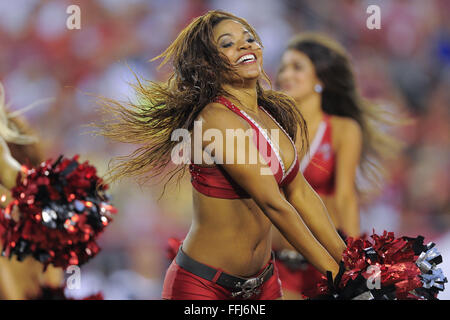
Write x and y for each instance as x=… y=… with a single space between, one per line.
x=226 y=254
x=19 y=279
x=316 y=72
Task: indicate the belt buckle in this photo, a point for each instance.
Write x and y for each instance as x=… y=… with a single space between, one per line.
x=248 y=288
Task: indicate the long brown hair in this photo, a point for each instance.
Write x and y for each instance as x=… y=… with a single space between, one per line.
x=341 y=97
x=199 y=73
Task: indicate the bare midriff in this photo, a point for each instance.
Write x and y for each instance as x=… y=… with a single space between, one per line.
x=231 y=235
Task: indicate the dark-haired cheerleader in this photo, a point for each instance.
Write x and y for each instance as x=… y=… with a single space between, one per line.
x=316 y=72
x=217 y=62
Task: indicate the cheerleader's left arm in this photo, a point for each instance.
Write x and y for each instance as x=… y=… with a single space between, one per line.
x=348 y=156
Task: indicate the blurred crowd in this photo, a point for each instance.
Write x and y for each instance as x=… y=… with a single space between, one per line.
x=405 y=64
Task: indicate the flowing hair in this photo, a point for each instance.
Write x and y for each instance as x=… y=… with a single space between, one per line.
x=340 y=97
x=199 y=73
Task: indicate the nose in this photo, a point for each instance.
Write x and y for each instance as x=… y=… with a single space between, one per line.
x=243 y=45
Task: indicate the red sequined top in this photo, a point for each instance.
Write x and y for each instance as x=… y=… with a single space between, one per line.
x=215 y=182
x=319 y=166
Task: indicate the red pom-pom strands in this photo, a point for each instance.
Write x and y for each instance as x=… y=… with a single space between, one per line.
x=58 y=211
x=386 y=268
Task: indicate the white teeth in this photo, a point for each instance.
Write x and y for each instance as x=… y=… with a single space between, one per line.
x=247 y=57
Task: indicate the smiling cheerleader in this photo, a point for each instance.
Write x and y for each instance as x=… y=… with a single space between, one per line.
x=217 y=62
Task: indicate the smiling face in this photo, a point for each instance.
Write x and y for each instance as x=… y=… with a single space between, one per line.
x=240 y=48
x=297 y=76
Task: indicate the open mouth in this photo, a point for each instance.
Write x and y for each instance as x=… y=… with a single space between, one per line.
x=248 y=58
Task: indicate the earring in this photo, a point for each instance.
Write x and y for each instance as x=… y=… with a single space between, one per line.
x=318 y=88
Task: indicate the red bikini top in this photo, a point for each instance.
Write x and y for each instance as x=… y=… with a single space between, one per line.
x=217 y=183
x=319 y=167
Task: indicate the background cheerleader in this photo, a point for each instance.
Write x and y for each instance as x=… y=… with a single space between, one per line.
x=18 y=145
x=345 y=133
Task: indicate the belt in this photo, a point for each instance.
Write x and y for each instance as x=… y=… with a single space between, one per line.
x=240 y=287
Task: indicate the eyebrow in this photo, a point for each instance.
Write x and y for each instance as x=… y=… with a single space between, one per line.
x=229 y=34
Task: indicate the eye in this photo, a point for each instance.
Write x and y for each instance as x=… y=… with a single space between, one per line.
x=297 y=66
x=227 y=45
x=251 y=40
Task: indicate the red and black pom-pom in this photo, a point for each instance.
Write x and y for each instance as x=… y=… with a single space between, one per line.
x=386 y=268
x=62 y=209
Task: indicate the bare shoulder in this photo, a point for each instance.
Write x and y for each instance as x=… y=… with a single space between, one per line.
x=216 y=115
x=345 y=128
x=345 y=124
x=212 y=110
